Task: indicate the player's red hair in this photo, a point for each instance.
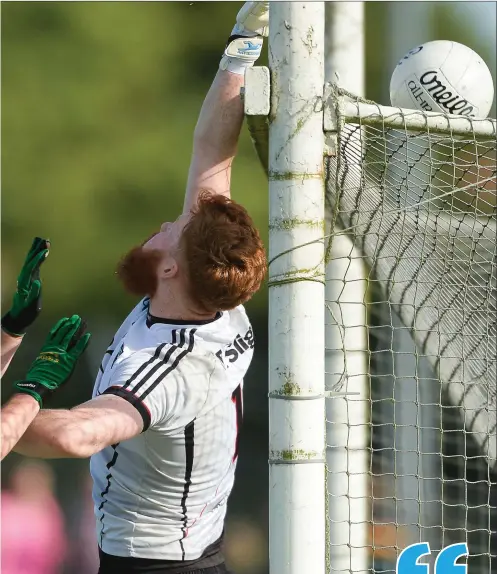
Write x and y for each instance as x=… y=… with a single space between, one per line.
x=223 y=254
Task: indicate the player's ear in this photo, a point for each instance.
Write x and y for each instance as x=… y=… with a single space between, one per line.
x=168 y=268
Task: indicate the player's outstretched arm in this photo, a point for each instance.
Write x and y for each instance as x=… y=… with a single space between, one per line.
x=26 y=305
x=218 y=128
x=17 y=415
x=82 y=431
x=116 y=415
x=52 y=368
x=138 y=399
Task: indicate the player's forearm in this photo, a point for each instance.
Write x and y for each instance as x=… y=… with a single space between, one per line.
x=59 y=433
x=81 y=431
x=16 y=416
x=9 y=346
x=216 y=136
x=47 y=436
x=221 y=115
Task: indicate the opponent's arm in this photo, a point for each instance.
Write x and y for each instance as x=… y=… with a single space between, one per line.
x=51 y=369
x=26 y=305
x=9 y=346
x=17 y=415
x=218 y=128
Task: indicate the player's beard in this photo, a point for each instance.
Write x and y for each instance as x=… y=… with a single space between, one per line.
x=137 y=271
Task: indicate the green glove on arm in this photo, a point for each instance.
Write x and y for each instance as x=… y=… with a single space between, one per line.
x=26 y=305
x=57 y=360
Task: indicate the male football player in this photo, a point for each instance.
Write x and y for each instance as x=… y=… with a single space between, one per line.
x=162 y=428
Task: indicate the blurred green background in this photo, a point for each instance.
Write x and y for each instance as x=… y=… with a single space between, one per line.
x=99 y=103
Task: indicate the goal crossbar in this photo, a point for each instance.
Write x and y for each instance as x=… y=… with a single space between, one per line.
x=370 y=114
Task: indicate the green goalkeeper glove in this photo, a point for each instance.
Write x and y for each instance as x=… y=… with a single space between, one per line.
x=57 y=360
x=26 y=305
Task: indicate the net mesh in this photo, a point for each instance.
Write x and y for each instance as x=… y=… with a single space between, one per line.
x=412 y=251
x=411 y=327
x=421 y=208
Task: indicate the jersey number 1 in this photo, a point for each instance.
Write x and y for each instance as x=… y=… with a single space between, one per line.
x=236 y=397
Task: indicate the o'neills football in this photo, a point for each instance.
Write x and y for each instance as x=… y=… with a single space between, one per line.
x=443 y=76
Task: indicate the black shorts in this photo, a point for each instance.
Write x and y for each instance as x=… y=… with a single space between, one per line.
x=211 y=562
x=221 y=569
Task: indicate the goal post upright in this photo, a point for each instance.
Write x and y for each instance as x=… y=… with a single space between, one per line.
x=297 y=539
x=346 y=340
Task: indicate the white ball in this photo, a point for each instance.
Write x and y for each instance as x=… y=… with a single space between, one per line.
x=443 y=76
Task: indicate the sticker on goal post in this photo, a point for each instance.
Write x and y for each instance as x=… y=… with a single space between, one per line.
x=407 y=562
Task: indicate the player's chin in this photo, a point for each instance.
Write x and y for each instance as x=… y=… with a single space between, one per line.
x=137 y=271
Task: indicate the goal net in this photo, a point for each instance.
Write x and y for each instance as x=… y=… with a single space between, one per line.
x=411 y=318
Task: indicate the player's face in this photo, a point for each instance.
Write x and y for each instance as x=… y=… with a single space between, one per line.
x=142 y=266
x=167 y=239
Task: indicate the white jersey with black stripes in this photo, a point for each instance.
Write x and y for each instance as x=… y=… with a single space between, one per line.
x=163 y=494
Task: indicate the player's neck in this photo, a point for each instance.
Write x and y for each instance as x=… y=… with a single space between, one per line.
x=168 y=305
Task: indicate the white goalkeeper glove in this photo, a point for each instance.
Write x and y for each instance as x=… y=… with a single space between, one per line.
x=245 y=42
x=253 y=18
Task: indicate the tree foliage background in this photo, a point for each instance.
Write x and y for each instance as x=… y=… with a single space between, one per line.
x=99 y=105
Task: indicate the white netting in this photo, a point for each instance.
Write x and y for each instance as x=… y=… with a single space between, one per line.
x=413 y=245
x=422 y=210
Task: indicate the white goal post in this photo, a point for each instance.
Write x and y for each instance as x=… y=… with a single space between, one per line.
x=411 y=196
x=296 y=290
x=346 y=345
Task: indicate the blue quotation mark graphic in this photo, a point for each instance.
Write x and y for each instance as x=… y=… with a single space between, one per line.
x=407 y=562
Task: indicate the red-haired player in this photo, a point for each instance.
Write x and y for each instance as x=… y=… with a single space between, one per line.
x=162 y=428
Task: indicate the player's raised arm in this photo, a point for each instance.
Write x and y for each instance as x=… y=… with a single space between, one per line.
x=26 y=305
x=52 y=368
x=218 y=128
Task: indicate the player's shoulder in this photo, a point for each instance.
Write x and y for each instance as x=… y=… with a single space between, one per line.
x=180 y=350
x=180 y=373
x=234 y=320
x=186 y=348
x=238 y=325
x=239 y=318
x=141 y=308
x=238 y=313
x=138 y=311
